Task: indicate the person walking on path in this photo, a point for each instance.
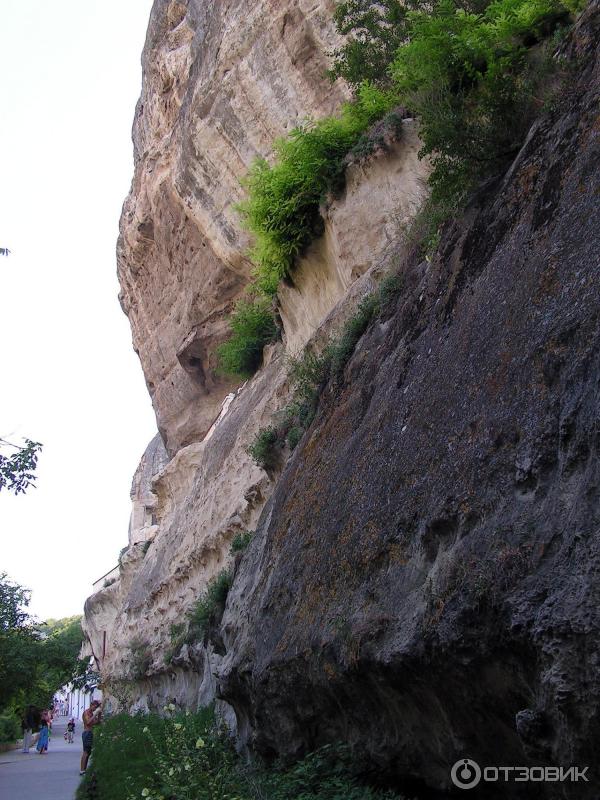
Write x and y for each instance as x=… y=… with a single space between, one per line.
x=91 y=717
x=31 y=720
x=42 y=743
x=70 y=730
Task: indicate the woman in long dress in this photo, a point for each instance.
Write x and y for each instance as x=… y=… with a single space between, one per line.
x=42 y=742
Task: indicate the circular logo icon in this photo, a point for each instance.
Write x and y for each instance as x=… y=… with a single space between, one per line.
x=466 y=773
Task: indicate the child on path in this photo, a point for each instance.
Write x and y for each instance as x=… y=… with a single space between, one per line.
x=70 y=730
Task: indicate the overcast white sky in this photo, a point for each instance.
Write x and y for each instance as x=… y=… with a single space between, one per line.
x=69 y=79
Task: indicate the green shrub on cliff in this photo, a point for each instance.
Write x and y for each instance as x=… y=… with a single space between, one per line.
x=262 y=448
x=470 y=80
x=241 y=541
x=140 y=658
x=468 y=69
x=252 y=327
x=309 y=372
x=209 y=607
x=282 y=208
x=353 y=330
x=464 y=67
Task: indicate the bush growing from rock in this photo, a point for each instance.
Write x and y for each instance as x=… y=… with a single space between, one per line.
x=209 y=607
x=241 y=541
x=282 y=208
x=252 y=327
x=354 y=328
x=262 y=448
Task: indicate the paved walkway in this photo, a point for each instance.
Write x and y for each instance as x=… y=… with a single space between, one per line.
x=54 y=776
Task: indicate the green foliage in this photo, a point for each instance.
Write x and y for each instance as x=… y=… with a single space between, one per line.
x=10 y=727
x=35 y=659
x=241 y=541
x=262 y=450
x=282 y=209
x=327 y=774
x=14 y=600
x=468 y=77
x=59 y=651
x=389 y=289
x=425 y=228
x=353 y=330
x=375 y=29
x=309 y=372
x=252 y=327
x=177 y=631
x=123 y=761
x=464 y=67
x=188 y=757
x=293 y=436
x=209 y=608
x=17 y=471
x=205 y=612
x=307 y=375
x=140 y=659
x=178 y=634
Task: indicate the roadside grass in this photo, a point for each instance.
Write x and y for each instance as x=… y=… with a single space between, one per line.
x=190 y=757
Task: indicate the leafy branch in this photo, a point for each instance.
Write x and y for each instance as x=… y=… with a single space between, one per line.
x=17 y=470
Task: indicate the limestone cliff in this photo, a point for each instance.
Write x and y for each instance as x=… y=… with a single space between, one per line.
x=220 y=82
x=420 y=583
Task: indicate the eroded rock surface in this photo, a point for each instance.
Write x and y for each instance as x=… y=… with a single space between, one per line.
x=424 y=580
x=220 y=82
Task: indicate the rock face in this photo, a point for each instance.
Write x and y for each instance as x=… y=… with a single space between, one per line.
x=103 y=608
x=221 y=82
x=424 y=580
x=197 y=502
x=142 y=525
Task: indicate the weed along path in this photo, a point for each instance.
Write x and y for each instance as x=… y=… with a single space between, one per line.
x=54 y=776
